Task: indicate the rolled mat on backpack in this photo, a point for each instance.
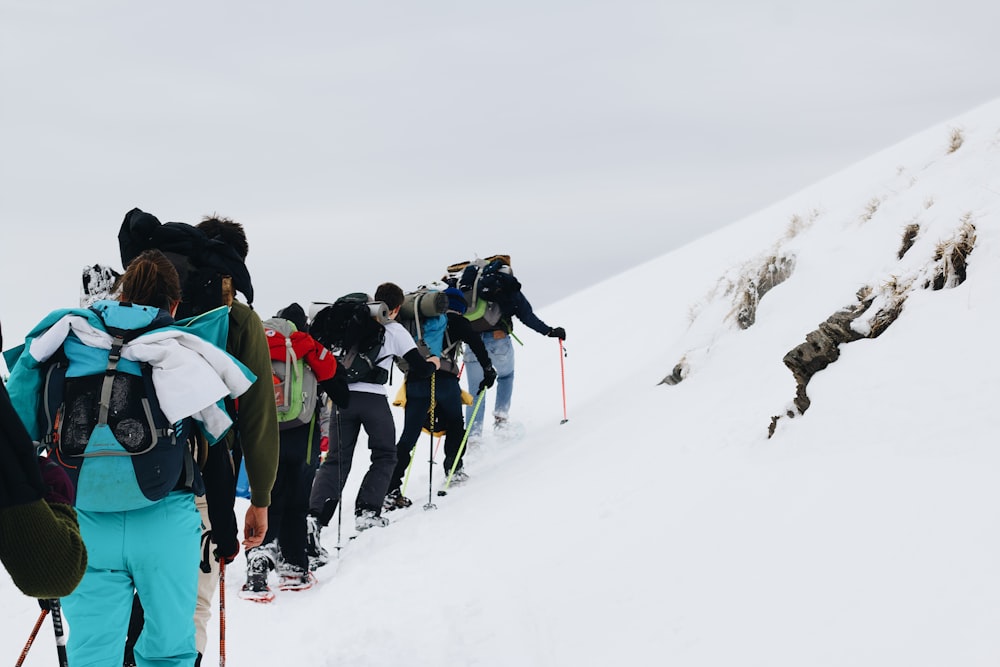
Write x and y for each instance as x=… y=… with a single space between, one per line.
x=427 y=304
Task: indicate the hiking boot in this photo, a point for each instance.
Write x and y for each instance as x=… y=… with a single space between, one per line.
x=365 y=519
x=284 y=568
x=499 y=422
x=395 y=500
x=318 y=556
x=259 y=563
x=459 y=477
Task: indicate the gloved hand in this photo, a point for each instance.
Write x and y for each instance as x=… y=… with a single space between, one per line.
x=227 y=547
x=336 y=388
x=489 y=377
x=557 y=332
x=61 y=489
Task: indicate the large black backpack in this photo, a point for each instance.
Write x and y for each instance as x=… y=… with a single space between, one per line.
x=209 y=269
x=489 y=287
x=353 y=327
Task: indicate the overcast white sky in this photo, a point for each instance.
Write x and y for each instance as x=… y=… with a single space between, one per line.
x=395 y=137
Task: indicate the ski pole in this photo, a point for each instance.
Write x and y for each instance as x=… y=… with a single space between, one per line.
x=59 y=628
x=222 y=613
x=562 y=372
x=430 y=459
x=409 y=467
x=340 y=480
x=461 y=447
x=31 y=637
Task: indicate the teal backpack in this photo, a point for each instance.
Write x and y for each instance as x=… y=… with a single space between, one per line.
x=98 y=415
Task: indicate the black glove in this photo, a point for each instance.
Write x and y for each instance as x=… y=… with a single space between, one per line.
x=489 y=377
x=557 y=332
x=336 y=388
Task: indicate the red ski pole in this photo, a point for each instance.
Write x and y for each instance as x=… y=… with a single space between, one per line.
x=562 y=372
x=222 y=613
x=31 y=638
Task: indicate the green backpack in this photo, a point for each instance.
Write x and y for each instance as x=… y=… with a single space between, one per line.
x=295 y=385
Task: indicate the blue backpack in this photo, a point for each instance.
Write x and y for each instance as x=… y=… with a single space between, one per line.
x=424 y=314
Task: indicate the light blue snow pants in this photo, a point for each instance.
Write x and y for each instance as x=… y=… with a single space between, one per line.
x=154 y=551
x=501 y=352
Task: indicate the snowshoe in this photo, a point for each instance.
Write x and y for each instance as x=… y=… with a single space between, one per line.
x=395 y=500
x=299 y=580
x=365 y=519
x=458 y=478
x=259 y=564
x=256 y=589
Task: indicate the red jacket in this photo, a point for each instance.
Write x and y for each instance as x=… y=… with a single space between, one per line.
x=305 y=347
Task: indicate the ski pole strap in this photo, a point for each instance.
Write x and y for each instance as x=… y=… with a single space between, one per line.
x=465 y=438
x=206 y=551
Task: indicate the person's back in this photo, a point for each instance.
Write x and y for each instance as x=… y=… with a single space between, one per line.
x=505 y=291
x=211 y=258
x=446 y=394
x=145 y=541
x=285 y=545
x=254 y=437
x=368 y=409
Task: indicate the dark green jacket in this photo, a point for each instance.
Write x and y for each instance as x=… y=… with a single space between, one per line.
x=257 y=416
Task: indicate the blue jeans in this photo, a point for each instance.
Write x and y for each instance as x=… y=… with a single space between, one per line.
x=156 y=550
x=501 y=352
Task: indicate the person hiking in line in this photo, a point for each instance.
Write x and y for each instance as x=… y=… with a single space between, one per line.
x=211 y=260
x=136 y=390
x=254 y=437
x=512 y=302
x=447 y=397
x=40 y=543
x=285 y=545
x=369 y=408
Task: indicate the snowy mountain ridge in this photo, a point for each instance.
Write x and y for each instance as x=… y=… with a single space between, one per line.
x=661 y=524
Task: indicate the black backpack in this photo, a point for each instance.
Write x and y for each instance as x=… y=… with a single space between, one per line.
x=353 y=327
x=489 y=287
x=492 y=281
x=209 y=269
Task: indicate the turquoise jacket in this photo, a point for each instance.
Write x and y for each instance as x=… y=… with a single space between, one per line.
x=191 y=374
